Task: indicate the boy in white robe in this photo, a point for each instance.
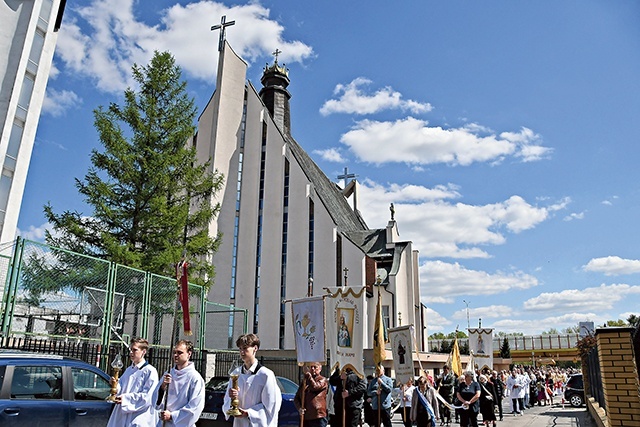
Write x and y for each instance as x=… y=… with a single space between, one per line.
x=258 y=390
x=185 y=396
x=133 y=402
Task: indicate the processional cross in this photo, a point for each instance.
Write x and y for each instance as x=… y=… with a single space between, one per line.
x=222 y=26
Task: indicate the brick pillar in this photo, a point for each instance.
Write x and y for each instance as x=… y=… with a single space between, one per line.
x=619 y=376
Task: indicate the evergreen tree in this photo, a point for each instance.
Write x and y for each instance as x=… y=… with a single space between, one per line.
x=151 y=200
x=505 y=350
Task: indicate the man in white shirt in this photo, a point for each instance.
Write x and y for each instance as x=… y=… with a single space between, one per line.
x=184 y=389
x=514 y=384
x=133 y=402
x=258 y=390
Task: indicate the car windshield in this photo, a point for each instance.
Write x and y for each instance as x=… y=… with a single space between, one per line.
x=218 y=383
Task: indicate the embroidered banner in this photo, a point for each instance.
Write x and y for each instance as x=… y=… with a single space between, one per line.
x=481 y=347
x=345 y=328
x=309 y=327
x=402 y=340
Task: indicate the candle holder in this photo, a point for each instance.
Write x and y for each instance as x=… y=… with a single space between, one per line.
x=234 y=373
x=117 y=367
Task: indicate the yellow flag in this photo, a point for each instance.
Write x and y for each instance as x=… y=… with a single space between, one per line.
x=456 y=363
x=379 y=334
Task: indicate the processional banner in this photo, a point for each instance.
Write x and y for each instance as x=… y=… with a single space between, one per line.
x=345 y=328
x=309 y=326
x=481 y=347
x=402 y=343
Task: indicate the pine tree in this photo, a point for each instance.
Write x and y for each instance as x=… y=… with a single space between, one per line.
x=151 y=200
x=505 y=350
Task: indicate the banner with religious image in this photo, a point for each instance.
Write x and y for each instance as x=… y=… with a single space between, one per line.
x=345 y=328
x=481 y=345
x=309 y=327
x=401 y=339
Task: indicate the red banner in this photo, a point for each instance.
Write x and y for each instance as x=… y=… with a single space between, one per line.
x=183 y=293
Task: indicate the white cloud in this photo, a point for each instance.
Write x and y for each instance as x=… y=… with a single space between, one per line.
x=440 y=278
x=56 y=103
x=599 y=299
x=574 y=215
x=353 y=100
x=35 y=233
x=436 y=322
x=439 y=227
x=330 y=155
x=486 y=312
x=412 y=141
x=613 y=265
x=540 y=324
x=104 y=39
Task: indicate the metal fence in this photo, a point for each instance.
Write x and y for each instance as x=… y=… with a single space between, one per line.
x=595 y=377
x=56 y=295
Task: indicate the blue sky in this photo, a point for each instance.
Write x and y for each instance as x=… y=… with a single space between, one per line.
x=506 y=133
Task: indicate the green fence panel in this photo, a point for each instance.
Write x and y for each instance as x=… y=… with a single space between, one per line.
x=162 y=309
x=59 y=293
x=224 y=324
x=128 y=314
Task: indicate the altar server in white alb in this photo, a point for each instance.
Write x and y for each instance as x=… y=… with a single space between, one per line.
x=184 y=389
x=134 y=404
x=258 y=390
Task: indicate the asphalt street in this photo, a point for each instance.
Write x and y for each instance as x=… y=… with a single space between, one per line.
x=538 y=416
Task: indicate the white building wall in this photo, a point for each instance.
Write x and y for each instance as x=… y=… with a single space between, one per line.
x=27 y=43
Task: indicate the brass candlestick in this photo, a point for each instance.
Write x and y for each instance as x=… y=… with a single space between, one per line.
x=234 y=373
x=117 y=367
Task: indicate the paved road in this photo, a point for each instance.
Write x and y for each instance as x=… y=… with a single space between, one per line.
x=539 y=416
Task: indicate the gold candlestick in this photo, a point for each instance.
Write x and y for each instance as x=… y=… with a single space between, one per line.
x=234 y=373
x=117 y=367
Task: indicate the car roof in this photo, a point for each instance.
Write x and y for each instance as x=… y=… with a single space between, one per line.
x=7 y=356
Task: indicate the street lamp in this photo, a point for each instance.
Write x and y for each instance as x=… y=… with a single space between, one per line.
x=468 y=323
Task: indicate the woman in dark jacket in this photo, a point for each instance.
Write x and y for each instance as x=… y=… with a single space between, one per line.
x=488 y=399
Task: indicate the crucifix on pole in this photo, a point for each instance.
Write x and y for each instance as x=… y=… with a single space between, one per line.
x=222 y=26
x=346 y=271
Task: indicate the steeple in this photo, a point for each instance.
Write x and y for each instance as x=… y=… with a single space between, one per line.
x=275 y=95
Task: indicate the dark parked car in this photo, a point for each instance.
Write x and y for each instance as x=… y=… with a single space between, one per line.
x=574 y=391
x=49 y=390
x=212 y=414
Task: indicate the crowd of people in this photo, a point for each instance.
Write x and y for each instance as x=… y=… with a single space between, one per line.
x=344 y=400
x=472 y=398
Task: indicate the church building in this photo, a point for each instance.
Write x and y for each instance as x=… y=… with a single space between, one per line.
x=287 y=230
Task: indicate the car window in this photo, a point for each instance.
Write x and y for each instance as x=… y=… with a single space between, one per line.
x=89 y=385
x=36 y=382
x=287 y=386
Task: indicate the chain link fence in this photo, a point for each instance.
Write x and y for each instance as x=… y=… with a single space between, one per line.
x=54 y=294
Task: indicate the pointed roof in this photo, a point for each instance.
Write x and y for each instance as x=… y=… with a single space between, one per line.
x=329 y=193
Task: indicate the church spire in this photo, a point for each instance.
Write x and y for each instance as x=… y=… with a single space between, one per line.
x=275 y=95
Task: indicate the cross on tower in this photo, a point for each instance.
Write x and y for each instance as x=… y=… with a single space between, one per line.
x=276 y=53
x=221 y=27
x=347 y=175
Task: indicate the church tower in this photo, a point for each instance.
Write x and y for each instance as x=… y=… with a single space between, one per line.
x=275 y=95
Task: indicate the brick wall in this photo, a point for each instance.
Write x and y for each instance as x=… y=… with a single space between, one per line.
x=619 y=376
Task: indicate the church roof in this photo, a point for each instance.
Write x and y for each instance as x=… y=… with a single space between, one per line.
x=372 y=242
x=330 y=195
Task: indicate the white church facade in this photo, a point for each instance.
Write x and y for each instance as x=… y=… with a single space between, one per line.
x=287 y=229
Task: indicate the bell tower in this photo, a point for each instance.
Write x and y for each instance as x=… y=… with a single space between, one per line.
x=275 y=95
